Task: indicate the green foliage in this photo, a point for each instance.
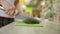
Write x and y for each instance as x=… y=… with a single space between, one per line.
x=31 y=21
x=39 y=1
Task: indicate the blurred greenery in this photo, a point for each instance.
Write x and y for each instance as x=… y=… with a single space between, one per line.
x=29 y=9
x=31 y=21
x=39 y=1
x=20 y=23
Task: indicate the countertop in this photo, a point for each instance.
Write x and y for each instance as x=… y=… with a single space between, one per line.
x=49 y=28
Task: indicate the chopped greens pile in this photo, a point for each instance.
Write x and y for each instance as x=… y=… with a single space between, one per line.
x=31 y=21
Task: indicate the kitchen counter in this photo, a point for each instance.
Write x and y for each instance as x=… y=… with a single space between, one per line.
x=12 y=29
x=49 y=28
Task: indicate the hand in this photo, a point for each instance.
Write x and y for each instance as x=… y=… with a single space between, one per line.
x=10 y=9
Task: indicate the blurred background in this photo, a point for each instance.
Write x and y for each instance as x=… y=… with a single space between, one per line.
x=46 y=11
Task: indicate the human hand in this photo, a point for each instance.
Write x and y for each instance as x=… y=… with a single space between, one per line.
x=9 y=8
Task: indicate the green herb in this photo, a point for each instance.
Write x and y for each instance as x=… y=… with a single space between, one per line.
x=31 y=21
